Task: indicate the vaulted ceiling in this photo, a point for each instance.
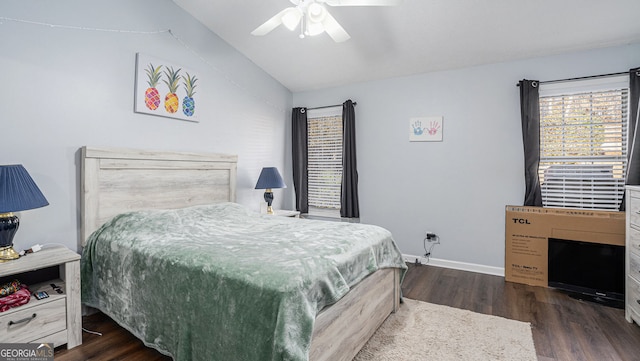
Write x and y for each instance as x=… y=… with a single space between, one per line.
x=417 y=36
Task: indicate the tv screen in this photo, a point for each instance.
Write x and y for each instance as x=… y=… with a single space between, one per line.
x=593 y=270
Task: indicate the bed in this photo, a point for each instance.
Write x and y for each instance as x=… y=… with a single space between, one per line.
x=171 y=289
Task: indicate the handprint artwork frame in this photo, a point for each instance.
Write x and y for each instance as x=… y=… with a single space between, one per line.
x=426 y=129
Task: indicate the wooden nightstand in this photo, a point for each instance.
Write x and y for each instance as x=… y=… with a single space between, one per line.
x=56 y=319
x=285 y=213
x=632 y=255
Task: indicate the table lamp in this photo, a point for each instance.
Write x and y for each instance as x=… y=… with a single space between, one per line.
x=18 y=192
x=269 y=178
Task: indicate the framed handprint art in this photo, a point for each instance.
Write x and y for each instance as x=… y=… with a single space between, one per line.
x=425 y=129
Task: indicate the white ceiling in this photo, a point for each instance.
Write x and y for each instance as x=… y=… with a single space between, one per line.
x=419 y=36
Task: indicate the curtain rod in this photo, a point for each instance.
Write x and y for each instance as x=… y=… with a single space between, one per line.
x=330 y=106
x=584 y=77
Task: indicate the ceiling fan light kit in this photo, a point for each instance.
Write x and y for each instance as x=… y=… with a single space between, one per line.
x=291 y=18
x=314 y=18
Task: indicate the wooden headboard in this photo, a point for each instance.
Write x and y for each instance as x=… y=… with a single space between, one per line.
x=117 y=180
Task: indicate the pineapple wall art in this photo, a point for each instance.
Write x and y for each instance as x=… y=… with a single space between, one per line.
x=165 y=89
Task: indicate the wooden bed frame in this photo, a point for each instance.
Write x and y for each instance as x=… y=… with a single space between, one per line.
x=116 y=180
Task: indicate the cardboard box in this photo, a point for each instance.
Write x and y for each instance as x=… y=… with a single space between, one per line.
x=528 y=229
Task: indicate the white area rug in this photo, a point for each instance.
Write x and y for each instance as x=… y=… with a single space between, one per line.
x=426 y=331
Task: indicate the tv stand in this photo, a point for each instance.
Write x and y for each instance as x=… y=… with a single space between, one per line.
x=597 y=299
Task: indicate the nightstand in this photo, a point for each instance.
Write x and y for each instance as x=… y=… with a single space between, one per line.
x=632 y=251
x=56 y=319
x=285 y=213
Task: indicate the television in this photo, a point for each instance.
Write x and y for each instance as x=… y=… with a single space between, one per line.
x=589 y=271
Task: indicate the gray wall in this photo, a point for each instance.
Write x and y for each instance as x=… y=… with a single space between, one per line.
x=72 y=85
x=457 y=188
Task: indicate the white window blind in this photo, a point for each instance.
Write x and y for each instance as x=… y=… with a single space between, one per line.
x=583 y=143
x=324 y=129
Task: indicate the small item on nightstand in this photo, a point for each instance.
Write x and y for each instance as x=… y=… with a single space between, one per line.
x=56 y=288
x=18 y=298
x=41 y=294
x=9 y=288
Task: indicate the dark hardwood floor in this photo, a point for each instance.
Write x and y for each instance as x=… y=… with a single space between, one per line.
x=563 y=328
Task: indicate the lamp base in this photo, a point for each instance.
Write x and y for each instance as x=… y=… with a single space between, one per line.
x=268 y=197
x=8 y=254
x=9 y=224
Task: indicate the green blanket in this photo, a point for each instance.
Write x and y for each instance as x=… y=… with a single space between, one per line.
x=221 y=283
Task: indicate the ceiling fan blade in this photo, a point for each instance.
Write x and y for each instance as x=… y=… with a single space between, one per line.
x=270 y=24
x=362 y=2
x=335 y=31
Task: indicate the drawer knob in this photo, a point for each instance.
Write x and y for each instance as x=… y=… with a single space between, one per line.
x=27 y=319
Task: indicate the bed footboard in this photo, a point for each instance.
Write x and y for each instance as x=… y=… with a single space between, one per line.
x=344 y=328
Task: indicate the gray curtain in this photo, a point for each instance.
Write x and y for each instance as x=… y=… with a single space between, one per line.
x=349 y=191
x=530 y=117
x=300 y=162
x=633 y=150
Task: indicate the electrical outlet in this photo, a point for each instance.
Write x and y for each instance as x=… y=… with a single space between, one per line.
x=430 y=236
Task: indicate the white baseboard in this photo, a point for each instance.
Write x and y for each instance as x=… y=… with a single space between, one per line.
x=463 y=266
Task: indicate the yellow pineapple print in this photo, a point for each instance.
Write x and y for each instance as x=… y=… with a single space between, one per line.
x=171 y=100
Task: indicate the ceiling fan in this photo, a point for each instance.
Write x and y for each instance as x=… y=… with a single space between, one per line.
x=314 y=19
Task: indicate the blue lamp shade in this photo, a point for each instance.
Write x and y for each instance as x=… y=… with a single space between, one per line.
x=270 y=178
x=18 y=191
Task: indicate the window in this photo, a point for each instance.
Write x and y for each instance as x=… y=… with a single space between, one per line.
x=324 y=127
x=583 y=143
